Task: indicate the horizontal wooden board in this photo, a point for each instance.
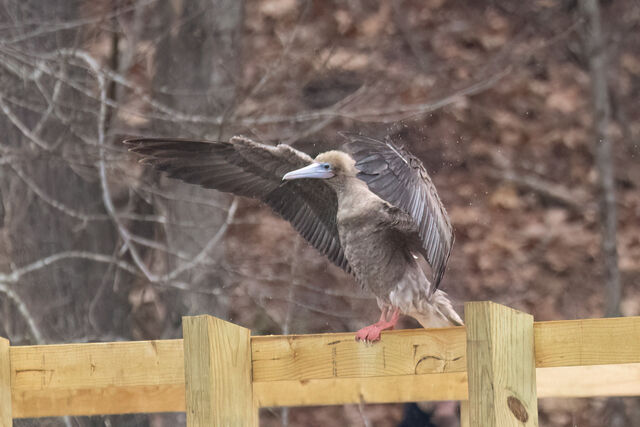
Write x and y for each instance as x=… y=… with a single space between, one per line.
x=337 y=391
x=418 y=351
x=129 y=399
x=407 y=352
x=572 y=381
x=97 y=378
x=148 y=376
x=587 y=342
x=589 y=381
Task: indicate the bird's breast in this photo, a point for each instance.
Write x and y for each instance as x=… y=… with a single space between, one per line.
x=377 y=257
x=377 y=254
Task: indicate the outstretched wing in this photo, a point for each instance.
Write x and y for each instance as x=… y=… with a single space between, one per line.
x=401 y=179
x=248 y=168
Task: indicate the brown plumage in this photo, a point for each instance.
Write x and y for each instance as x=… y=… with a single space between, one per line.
x=372 y=210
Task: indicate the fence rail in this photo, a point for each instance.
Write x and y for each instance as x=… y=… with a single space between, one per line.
x=230 y=374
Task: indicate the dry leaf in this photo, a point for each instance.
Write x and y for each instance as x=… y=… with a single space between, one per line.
x=566 y=101
x=278 y=9
x=505 y=197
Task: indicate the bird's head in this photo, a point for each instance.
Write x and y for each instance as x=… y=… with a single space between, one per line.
x=332 y=165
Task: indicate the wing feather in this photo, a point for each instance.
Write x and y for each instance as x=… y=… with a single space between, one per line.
x=247 y=168
x=401 y=179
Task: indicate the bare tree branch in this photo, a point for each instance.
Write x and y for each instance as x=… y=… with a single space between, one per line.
x=52 y=202
x=24 y=312
x=17 y=274
x=575 y=200
x=31 y=136
x=52 y=27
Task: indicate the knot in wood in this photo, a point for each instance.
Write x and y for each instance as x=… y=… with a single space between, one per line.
x=517 y=409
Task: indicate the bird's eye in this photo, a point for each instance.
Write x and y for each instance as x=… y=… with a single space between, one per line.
x=326 y=166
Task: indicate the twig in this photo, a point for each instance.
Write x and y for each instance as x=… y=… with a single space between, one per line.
x=106 y=193
x=153 y=244
x=332 y=313
x=159 y=219
x=385 y=115
x=212 y=242
x=299 y=283
x=17 y=274
x=21 y=126
x=72 y=24
x=50 y=107
x=575 y=200
x=182 y=198
x=52 y=202
x=390 y=114
x=284 y=412
x=310 y=130
x=24 y=312
x=365 y=419
x=292 y=286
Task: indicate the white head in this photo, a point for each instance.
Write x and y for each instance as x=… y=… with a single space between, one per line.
x=331 y=165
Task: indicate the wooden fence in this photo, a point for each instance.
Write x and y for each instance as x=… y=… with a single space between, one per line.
x=220 y=375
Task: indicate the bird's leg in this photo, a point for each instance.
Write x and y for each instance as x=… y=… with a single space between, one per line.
x=372 y=332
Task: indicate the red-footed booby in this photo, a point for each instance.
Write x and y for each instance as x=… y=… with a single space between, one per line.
x=371 y=209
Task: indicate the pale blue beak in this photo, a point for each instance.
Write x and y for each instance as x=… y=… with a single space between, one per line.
x=314 y=170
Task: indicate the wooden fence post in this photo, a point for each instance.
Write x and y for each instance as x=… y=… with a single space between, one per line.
x=217 y=359
x=6 y=419
x=464 y=413
x=500 y=366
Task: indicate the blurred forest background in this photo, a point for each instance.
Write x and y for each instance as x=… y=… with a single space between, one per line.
x=524 y=113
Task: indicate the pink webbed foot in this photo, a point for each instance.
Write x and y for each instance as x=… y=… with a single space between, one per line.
x=372 y=333
x=369 y=333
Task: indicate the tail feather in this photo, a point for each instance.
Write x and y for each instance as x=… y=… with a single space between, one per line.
x=437 y=312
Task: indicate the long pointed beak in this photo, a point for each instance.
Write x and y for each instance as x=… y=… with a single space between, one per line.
x=314 y=170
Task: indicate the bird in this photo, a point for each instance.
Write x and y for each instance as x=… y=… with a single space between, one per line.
x=370 y=208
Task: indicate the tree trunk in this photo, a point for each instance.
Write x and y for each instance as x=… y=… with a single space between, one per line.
x=196 y=67
x=596 y=52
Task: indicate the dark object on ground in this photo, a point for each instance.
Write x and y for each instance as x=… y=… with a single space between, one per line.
x=430 y=414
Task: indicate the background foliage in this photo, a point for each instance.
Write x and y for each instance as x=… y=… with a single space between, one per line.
x=495 y=96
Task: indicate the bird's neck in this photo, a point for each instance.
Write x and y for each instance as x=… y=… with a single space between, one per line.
x=355 y=198
x=348 y=187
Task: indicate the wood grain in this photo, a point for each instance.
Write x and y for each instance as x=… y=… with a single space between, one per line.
x=6 y=417
x=303 y=357
x=148 y=376
x=587 y=342
x=97 y=378
x=217 y=360
x=589 y=381
x=573 y=381
x=501 y=366
x=464 y=413
x=337 y=391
